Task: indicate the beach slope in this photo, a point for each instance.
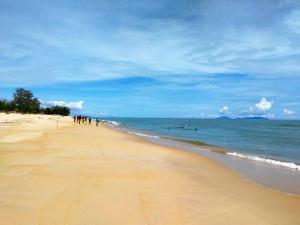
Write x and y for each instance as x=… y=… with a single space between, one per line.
x=55 y=172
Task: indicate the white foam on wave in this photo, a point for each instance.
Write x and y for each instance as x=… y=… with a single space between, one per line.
x=143 y=135
x=112 y=123
x=265 y=160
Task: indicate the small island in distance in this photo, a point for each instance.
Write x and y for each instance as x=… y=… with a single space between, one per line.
x=244 y=118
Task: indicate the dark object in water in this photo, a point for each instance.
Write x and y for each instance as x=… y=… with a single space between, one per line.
x=182 y=127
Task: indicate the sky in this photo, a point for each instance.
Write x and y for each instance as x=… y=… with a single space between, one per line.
x=166 y=58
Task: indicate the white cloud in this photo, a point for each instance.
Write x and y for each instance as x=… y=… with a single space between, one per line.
x=71 y=105
x=263 y=105
x=224 y=109
x=55 y=103
x=260 y=108
x=75 y=105
x=287 y=112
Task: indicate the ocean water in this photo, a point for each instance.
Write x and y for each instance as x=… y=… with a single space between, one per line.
x=275 y=142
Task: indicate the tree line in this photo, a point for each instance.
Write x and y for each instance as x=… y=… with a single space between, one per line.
x=24 y=102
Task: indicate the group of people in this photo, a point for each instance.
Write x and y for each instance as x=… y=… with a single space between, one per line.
x=84 y=120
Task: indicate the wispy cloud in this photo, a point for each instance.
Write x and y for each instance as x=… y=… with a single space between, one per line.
x=287 y=112
x=63 y=41
x=197 y=54
x=293 y=21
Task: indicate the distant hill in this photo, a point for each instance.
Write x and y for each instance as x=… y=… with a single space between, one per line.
x=224 y=118
x=255 y=118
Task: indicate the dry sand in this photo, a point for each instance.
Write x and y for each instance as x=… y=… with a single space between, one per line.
x=83 y=175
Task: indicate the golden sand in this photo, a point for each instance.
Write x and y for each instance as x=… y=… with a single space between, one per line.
x=84 y=175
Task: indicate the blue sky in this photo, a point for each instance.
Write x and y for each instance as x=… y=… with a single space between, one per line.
x=155 y=58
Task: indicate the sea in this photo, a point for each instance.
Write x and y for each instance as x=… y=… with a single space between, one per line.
x=261 y=150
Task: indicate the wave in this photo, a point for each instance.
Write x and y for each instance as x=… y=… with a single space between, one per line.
x=265 y=160
x=144 y=135
x=112 y=123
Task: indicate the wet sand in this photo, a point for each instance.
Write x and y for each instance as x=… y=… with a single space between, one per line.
x=269 y=175
x=81 y=174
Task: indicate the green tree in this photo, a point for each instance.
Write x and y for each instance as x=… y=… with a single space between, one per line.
x=3 y=105
x=25 y=101
x=57 y=110
x=60 y=110
x=7 y=106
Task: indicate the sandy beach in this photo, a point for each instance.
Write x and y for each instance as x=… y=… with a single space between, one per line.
x=55 y=172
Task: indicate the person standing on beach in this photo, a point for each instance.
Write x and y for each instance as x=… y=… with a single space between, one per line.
x=90 y=121
x=97 y=122
x=74 y=117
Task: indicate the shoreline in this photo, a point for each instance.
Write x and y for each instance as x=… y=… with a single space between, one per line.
x=295 y=166
x=108 y=177
x=269 y=175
